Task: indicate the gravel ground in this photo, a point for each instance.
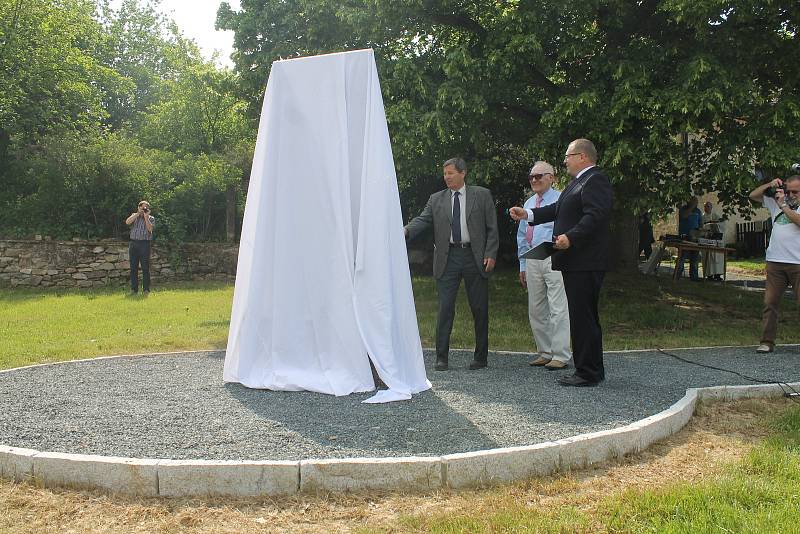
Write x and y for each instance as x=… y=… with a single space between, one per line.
x=176 y=406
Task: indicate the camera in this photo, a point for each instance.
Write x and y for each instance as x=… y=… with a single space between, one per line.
x=770 y=192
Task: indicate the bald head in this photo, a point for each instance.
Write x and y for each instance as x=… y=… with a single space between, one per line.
x=580 y=155
x=586 y=147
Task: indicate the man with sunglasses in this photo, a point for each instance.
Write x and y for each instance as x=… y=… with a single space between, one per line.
x=582 y=235
x=783 y=252
x=547 y=303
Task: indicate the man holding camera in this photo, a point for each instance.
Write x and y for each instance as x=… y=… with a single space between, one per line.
x=782 y=199
x=141 y=223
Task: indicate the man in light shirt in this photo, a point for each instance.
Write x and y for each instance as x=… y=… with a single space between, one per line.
x=548 y=313
x=783 y=252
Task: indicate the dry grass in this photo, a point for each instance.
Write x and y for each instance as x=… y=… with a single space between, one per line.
x=718 y=435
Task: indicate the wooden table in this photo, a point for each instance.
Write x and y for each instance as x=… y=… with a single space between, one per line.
x=690 y=245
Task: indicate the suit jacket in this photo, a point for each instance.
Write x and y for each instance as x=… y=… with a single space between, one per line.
x=583 y=214
x=481 y=223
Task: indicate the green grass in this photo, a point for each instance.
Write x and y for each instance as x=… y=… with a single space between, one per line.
x=636 y=311
x=43 y=326
x=755 y=266
x=759 y=494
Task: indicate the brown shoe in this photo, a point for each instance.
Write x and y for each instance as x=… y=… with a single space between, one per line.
x=541 y=360
x=555 y=365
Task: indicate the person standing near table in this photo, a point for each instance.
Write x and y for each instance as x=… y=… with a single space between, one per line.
x=548 y=313
x=690 y=220
x=142 y=224
x=713 y=262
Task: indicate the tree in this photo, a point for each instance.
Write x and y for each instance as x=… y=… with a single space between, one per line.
x=51 y=79
x=148 y=50
x=680 y=96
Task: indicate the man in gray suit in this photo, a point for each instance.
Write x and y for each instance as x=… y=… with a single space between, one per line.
x=464 y=223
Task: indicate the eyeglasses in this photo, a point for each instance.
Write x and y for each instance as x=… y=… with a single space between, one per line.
x=537 y=177
x=573 y=154
x=792 y=192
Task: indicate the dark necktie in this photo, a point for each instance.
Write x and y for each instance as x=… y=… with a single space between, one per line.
x=456 y=225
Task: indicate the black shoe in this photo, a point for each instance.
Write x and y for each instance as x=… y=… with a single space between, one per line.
x=476 y=364
x=576 y=381
x=441 y=365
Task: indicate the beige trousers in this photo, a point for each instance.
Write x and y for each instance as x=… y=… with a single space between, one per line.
x=548 y=312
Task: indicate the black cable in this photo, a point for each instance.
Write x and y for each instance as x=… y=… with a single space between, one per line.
x=792 y=394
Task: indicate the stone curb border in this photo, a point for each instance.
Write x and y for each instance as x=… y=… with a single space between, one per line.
x=219 y=478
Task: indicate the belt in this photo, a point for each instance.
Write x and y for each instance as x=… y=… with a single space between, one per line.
x=460 y=245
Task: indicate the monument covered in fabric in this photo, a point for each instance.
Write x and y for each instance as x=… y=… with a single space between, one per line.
x=323 y=284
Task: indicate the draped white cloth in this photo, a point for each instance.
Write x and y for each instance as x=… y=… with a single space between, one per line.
x=323 y=283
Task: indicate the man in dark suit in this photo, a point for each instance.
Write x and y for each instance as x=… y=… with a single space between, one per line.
x=581 y=232
x=465 y=241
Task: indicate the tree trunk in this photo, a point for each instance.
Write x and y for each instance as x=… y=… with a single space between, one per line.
x=624 y=241
x=230 y=213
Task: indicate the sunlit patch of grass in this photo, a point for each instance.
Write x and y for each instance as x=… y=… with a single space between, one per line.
x=636 y=312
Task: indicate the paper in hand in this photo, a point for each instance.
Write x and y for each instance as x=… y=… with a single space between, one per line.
x=540 y=252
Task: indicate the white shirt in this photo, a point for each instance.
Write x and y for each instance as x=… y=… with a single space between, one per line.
x=784 y=243
x=462 y=200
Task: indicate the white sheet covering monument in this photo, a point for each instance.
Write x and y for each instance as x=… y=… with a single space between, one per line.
x=323 y=283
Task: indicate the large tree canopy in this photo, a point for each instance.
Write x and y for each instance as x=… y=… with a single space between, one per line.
x=680 y=96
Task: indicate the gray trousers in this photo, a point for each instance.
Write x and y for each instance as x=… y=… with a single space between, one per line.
x=461 y=264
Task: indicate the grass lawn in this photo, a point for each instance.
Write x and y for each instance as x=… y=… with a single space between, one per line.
x=756 y=266
x=637 y=312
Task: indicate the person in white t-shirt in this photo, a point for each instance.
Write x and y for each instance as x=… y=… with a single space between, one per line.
x=783 y=253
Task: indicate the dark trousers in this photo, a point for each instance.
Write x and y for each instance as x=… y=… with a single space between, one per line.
x=139 y=253
x=583 y=295
x=694 y=259
x=461 y=264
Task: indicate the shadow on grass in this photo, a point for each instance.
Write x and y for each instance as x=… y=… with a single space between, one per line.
x=21 y=294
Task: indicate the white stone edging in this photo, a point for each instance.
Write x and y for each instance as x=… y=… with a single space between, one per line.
x=230 y=478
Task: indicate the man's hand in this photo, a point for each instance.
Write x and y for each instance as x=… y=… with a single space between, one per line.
x=562 y=242
x=405 y=231
x=518 y=213
x=780 y=197
x=488 y=264
x=522 y=280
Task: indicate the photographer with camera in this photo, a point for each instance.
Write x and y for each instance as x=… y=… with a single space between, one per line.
x=782 y=199
x=141 y=223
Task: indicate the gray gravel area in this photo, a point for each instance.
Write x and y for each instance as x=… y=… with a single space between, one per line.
x=176 y=406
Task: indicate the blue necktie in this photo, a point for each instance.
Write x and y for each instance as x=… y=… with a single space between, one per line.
x=456 y=225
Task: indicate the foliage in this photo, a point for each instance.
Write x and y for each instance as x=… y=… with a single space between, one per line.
x=100 y=108
x=50 y=84
x=680 y=96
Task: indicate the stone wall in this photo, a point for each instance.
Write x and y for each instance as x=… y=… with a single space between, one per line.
x=77 y=263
